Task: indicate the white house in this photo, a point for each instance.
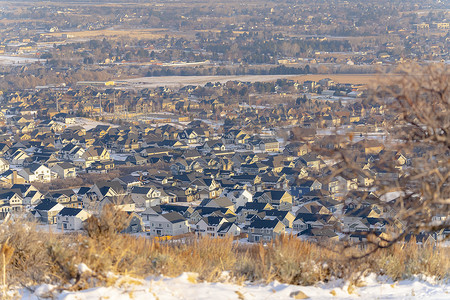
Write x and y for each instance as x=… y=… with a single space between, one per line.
x=71 y=218
x=239 y=197
x=36 y=172
x=169 y=224
x=216 y=227
x=4 y=165
x=146 y=196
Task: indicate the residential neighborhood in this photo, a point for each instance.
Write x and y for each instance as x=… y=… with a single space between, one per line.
x=252 y=173
x=271 y=127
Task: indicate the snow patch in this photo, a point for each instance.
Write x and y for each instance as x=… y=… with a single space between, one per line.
x=188 y=286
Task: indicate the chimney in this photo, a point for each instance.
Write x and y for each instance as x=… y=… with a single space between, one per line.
x=14 y=177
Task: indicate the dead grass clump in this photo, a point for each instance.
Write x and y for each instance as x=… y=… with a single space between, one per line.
x=29 y=262
x=290 y=260
x=49 y=258
x=405 y=260
x=206 y=256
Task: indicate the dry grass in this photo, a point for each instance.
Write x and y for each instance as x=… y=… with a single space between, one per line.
x=49 y=258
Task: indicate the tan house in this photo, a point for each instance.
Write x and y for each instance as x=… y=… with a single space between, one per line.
x=96 y=153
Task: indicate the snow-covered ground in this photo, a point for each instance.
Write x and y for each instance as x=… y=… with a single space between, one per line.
x=187 y=286
x=89 y=123
x=17 y=60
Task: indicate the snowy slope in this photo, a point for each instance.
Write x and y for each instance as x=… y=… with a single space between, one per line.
x=186 y=287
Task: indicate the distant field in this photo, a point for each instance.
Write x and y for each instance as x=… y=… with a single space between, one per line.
x=174 y=81
x=126 y=33
x=13 y=60
x=365 y=79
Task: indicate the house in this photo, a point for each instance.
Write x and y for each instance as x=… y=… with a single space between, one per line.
x=4 y=165
x=71 y=152
x=11 y=177
x=64 y=170
x=36 y=172
x=128 y=181
x=147 y=196
x=168 y=224
x=304 y=186
x=92 y=198
x=12 y=199
x=213 y=145
x=278 y=198
x=67 y=197
x=96 y=153
x=136 y=160
x=269 y=145
x=30 y=195
x=265 y=230
x=71 y=218
x=221 y=202
x=19 y=157
x=299 y=225
x=245 y=212
x=239 y=197
x=254 y=168
x=194 y=135
x=64 y=118
x=135 y=223
x=47 y=210
x=311 y=161
x=210 y=186
x=320 y=234
x=215 y=226
x=209 y=225
x=228 y=229
x=296 y=149
x=286 y=217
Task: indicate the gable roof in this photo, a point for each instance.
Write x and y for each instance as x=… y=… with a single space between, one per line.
x=174 y=217
x=46 y=204
x=269 y=224
x=69 y=211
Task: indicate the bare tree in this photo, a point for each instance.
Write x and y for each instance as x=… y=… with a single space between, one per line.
x=405 y=176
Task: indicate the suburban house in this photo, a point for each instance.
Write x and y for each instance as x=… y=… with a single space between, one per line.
x=71 y=218
x=279 y=199
x=269 y=145
x=64 y=170
x=239 y=197
x=47 y=210
x=147 y=196
x=19 y=157
x=265 y=230
x=168 y=224
x=135 y=223
x=36 y=172
x=216 y=226
x=4 y=165
x=96 y=153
